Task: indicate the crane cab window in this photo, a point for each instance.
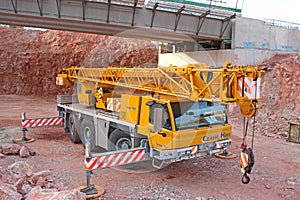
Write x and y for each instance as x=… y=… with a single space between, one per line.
x=198 y=114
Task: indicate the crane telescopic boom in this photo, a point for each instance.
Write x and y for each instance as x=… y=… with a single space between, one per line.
x=196 y=82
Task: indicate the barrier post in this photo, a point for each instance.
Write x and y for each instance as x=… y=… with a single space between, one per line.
x=91 y=190
x=106 y=160
x=24 y=139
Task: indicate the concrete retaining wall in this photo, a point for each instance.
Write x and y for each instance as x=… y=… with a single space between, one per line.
x=256 y=34
x=253 y=41
x=216 y=58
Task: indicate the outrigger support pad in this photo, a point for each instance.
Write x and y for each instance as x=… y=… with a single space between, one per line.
x=90 y=188
x=225 y=154
x=92 y=191
x=24 y=139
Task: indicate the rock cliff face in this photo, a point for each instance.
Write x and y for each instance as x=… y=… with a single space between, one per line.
x=30 y=59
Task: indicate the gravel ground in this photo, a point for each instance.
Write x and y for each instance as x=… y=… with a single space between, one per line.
x=275 y=174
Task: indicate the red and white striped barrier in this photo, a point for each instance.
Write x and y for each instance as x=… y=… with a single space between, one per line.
x=40 y=122
x=113 y=159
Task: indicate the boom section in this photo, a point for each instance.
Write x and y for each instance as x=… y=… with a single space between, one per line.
x=153 y=80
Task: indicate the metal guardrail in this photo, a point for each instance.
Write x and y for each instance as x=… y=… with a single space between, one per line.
x=280 y=23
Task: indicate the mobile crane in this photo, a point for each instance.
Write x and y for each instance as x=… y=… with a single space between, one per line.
x=175 y=113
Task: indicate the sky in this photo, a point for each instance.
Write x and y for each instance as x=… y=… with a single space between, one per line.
x=285 y=10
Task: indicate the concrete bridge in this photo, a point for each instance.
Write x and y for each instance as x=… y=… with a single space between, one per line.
x=202 y=22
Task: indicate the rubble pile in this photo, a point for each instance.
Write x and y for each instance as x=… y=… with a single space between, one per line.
x=31 y=59
x=15 y=149
x=280 y=92
x=19 y=181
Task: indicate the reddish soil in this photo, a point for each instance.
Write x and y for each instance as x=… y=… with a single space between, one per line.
x=275 y=174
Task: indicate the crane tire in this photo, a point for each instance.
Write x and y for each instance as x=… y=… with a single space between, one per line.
x=119 y=140
x=87 y=131
x=74 y=136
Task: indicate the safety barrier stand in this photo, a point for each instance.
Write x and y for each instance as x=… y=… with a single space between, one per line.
x=38 y=122
x=106 y=160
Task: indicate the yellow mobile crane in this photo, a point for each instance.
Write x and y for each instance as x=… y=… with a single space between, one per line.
x=174 y=112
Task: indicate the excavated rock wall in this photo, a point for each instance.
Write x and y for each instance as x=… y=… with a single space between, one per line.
x=30 y=59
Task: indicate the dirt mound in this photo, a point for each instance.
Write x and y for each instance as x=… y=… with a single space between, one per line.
x=280 y=91
x=30 y=59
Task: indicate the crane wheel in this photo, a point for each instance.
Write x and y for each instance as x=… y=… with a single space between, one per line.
x=74 y=136
x=119 y=140
x=87 y=131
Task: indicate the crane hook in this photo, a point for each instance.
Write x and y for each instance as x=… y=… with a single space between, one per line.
x=247 y=163
x=245 y=178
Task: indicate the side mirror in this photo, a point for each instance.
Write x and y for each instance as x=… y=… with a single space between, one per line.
x=150 y=103
x=158 y=119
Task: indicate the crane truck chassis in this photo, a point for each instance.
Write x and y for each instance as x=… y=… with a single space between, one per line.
x=174 y=113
